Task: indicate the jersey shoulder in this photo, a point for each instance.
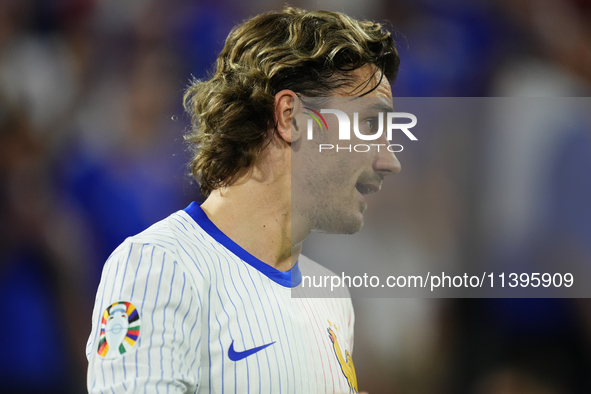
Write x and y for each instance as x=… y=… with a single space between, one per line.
x=176 y=234
x=180 y=237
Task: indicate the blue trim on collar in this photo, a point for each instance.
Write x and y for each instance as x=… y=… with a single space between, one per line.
x=291 y=278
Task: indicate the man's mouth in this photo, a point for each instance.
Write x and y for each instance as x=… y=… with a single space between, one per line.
x=367 y=188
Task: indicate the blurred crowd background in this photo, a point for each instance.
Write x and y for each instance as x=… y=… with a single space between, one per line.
x=91 y=151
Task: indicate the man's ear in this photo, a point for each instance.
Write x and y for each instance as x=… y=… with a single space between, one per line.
x=288 y=110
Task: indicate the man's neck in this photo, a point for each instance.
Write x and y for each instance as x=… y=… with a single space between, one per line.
x=258 y=217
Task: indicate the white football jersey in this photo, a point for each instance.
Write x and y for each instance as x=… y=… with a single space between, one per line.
x=181 y=308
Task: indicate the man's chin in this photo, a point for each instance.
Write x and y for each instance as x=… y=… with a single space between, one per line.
x=341 y=224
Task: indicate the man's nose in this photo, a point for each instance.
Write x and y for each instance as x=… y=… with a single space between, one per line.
x=385 y=162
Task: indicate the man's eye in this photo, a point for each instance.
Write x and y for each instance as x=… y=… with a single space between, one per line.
x=367 y=126
x=371 y=124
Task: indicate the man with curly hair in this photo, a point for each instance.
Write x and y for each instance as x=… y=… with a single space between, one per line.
x=204 y=296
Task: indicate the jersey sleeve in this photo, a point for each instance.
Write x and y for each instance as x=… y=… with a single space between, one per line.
x=146 y=325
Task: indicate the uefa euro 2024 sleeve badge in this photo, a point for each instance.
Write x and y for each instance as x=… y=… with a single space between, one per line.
x=120 y=329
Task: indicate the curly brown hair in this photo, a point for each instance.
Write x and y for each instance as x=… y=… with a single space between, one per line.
x=310 y=53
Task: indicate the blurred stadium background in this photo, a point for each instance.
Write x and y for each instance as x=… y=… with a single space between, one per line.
x=91 y=151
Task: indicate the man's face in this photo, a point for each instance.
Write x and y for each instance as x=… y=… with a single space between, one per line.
x=329 y=186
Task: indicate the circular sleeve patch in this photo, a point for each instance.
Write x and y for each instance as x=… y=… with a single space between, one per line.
x=120 y=329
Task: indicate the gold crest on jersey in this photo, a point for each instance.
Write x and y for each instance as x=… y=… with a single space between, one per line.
x=345 y=360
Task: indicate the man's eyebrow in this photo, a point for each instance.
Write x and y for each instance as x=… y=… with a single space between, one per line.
x=380 y=107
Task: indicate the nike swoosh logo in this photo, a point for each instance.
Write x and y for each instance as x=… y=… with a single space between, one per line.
x=236 y=356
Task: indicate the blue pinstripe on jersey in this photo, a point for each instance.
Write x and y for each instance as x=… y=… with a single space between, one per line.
x=174 y=330
x=151 y=336
x=241 y=333
x=269 y=329
x=164 y=324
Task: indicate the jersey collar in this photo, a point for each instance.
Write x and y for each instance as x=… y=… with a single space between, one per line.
x=291 y=278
